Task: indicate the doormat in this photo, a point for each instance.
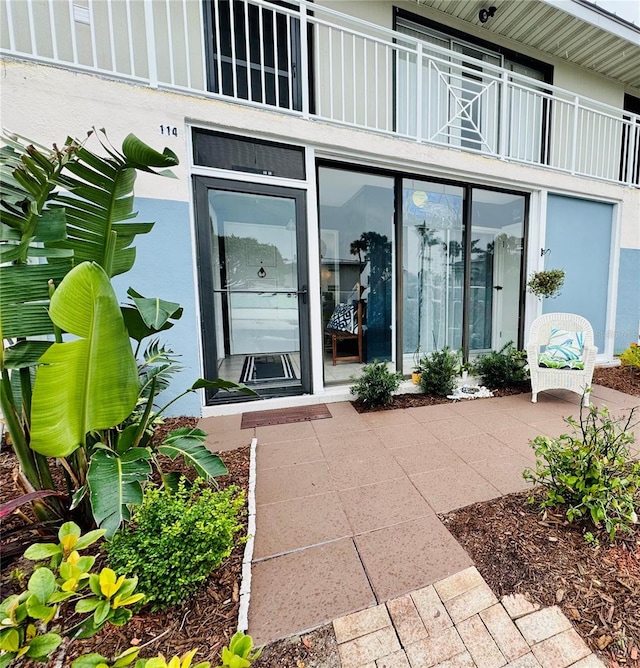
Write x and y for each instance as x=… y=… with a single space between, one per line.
x=284 y=416
x=265 y=368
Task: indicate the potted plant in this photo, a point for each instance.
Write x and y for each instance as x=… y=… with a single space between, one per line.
x=466 y=368
x=547 y=283
x=416 y=371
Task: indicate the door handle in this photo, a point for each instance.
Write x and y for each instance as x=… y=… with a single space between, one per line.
x=303 y=294
x=497 y=287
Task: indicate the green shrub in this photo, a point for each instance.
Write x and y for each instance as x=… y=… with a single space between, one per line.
x=591 y=470
x=177 y=538
x=377 y=384
x=631 y=357
x=503 y=367
x=439 y=371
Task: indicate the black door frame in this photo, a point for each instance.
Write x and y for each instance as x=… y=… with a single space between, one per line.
x=206 y=266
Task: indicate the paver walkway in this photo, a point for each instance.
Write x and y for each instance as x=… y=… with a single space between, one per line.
x=459 y=623
x=346 y=507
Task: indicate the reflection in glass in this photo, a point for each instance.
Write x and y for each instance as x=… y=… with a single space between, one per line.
x=497 y=241
x=432 y=268
x=356 y=276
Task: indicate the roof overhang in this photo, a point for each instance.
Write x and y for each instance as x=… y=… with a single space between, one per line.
x=574 y=30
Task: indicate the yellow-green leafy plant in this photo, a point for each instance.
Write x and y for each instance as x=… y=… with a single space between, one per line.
x=238 y=654
x=33 y=623
x=184 y=661
x=95 y=660
x=631 y=357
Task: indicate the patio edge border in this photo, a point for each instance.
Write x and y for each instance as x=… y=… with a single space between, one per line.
x=245 y=587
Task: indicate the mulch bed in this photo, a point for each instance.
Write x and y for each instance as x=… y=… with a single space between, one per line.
x=518 y=550
x=207 y=621
x=619 y=378
x=416 y=399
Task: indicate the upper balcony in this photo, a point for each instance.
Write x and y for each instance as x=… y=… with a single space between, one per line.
x=311 y=61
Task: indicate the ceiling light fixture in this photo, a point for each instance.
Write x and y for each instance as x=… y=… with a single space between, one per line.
x=485 y=14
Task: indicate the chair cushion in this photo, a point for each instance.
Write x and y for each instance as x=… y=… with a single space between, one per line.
x=563 y=351
x=344 y=319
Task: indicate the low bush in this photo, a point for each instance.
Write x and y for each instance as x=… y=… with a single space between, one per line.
x=176 y=539
x=376 y=385
x=591 y=470
x=439 y=371
x=631 y=357
x=503 y=367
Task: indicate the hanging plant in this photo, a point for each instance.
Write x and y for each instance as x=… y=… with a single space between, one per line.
x=546 y=283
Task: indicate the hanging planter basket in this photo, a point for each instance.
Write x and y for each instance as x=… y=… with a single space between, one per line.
x=547 y=284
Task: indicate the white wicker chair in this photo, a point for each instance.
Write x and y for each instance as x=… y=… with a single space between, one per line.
x=560 y=379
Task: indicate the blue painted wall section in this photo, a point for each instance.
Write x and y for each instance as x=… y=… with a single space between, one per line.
x=164 y=268
x=628 y=311
x=578 y=237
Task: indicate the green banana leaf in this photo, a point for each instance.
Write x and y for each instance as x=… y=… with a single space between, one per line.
x=149 y=315
x=101 y=202
x=115 y=483
x=188 y=444
x=90 y=383
x=25 y=354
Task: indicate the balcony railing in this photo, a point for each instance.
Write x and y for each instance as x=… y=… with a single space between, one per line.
x=312 y=61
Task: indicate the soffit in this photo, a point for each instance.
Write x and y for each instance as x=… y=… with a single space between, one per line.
x=552 y=30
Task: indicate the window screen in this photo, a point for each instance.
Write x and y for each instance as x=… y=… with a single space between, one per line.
x=238 y=154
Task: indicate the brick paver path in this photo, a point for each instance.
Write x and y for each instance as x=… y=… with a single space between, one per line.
x=458 y=623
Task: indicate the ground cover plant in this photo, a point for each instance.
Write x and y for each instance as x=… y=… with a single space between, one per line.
x=502 y=368
x=376 y=385
x=439 y=372
x=176 y=538
x=590 y=471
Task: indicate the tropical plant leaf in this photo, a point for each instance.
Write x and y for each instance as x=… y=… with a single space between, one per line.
x=115 y=483
x=188 y=444
x=8 y=507
x=101 y=202
x=90 y=383
x=221 y=384
x=24 y=354
x=155 y=312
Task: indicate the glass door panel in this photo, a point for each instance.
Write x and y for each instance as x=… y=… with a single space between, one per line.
x=356 y=269
x=495 y=281
x=433 y=261
x=254 y=309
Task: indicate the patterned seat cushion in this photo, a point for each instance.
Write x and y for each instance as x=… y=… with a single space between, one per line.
x=344 y=319
x=564 y=350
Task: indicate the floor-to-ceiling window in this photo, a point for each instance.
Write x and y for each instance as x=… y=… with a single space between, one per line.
x=356 y=268
x=433 y=260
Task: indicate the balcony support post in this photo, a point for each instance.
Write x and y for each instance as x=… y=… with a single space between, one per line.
x=305 y=81
x=574 y=140
x=634 y=132
x=419 y=100
x=503 y=120
x=151 y=43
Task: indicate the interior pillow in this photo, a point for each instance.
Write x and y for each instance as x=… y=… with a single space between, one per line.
x=344 y=319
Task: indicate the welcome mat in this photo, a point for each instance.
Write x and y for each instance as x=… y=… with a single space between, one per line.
x=265 y=368
x=284 y=416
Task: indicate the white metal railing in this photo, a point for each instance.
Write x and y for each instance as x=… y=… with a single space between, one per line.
x=364 y=76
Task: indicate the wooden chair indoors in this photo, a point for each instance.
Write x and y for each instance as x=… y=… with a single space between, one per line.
x=346 y=325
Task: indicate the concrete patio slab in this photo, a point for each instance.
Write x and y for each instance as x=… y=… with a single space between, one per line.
x=286 y=432
x=401 y=436
x=505 y=473
x=288 y=453
x=407 y=556
x=383 y=504
x=431 y=413
x=456 y=427
x=342 y=409
x=298 y=523
x=358 y=471
x=291 y=482
x=451 y=488
x=481 y=446
x=313 y=587
x=343 y=424
x=361 y=443
x=420 y=458
x=396 y=417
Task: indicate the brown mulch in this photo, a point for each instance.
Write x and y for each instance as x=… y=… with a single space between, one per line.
x=416 y=399
x=207 y=621
x=317 y=649
x=518 y=550
x=624 y=379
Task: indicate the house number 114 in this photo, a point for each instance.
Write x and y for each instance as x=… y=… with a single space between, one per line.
x=171 y=130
